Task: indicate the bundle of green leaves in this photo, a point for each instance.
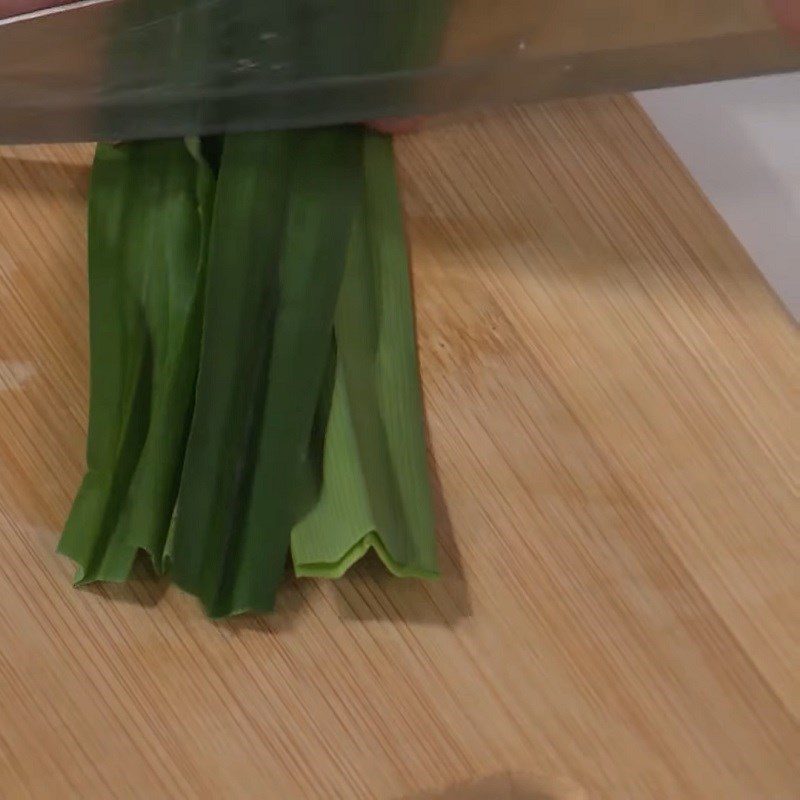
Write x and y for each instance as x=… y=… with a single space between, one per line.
x=254 y=384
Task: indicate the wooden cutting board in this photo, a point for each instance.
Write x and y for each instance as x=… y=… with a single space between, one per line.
x=612 y=397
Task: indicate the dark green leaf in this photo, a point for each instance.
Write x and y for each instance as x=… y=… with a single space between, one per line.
x=260 y=382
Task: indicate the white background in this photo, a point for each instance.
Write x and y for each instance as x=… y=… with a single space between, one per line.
x=741 y=142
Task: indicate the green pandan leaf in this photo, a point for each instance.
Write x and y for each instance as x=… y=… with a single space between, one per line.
x=375 y=491
x=241 y=299
x=149 y=210
x=272 y=291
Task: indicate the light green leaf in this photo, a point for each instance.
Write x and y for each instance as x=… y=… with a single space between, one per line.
x=375 y=491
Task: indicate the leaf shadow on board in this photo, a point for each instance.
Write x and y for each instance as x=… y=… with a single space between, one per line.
x=370 y=592
x=143 y=588
x=506 y=785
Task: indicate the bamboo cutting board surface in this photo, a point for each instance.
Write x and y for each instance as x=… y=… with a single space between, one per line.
x=612 y=401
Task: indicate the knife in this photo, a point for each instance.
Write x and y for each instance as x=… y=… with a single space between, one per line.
x=132 y=69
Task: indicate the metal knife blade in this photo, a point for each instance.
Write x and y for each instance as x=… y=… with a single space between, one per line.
x=129 y=69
